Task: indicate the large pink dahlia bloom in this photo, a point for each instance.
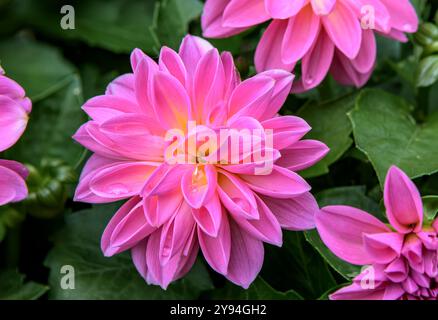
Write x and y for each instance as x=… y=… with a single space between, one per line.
x=402 y=257
x=227 y=209
x=14 y=110
x=325 y=35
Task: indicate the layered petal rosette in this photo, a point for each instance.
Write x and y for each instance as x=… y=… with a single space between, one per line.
x=14 y=110
x=401 y=258
x=336 y=36
x=204 y=159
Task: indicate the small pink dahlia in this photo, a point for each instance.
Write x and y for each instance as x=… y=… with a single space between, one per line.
x=402 y=257
x=325 y=35
x=14 y=110
x=228 y=196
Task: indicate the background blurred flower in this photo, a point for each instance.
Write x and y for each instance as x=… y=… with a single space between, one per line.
x=325 y=35
x=14 y=110
x=404 y=260
x=173 y=209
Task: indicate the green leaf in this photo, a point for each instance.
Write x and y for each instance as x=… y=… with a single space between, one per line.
x=259 y=290
x=386 y=132
x=39 y=68
x=9 y=217
x=98 y=277
x=427 y=73
x=52 y=123
x=330 y=125
x=430 y=204
x=13 y=287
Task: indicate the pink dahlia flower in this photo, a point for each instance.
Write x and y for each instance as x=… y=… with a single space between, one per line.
x=402 y=257
x=325 y=35
x=14 y=110
x=190 y=200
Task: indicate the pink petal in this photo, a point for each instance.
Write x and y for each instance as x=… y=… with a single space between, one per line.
x=281 y=183
x=16 y=167
x=287 y=130
x=10 y=88
x=126 y=228
x=209 y=217
x=191 y=51
x=138 y=254
x=236 y=196
x=403 y=203
x=316 y=63
x=282 y=9
x=344 y=29
x=143 y=78
x=232 y=76
x=216 y=250
x=266 y=228
x=356 y=292
x=196 y=191
x=175 y=233
x=323 y=7
x=397 y=270
x=403 y=15
x=343 y=71
x=301 y=33
x=123 y=87
x=211 y=20
x=372 y=9
x=341 y=228
x=295 y=213
x=246 y=257
x=171 y=102
x=164 y=179
x=122 y=180
x=268 y=53
x=383 y=247
x=12 y=186
x=13 y=122
x=172 y=63
x=159 y=209
x=366 y=58
x=244 y=13
x=102 y=108
x=413 y=252
x=302 y=155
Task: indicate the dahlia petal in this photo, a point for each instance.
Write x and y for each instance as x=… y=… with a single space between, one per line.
x=143 y=77
x=413 y=252
x=341 y=229
x=191 y=51
x=102 y=108
x=232 y=76
x=175 y=233
x=372 y=9
x=236 y=196
x=302 y=31
x=217 y=249
x=266 y=228
x=209 y=216
x=12 y=186
x=171 y=102
x=198 y=193
x=246 y=257
x=282 y=9
x=137 y=55
x=138 y=255
x=287 y=130
x=323 y=7
x=211 y=20
x=397 y=270
x=344 y=72
x=295 y=213
x=163 y=179
x=13 y=122
x=244 y=13
x=123 y=87
x=172 y=63
x=122 y=180
x=268 y=53
x=15 y=166
x=403 y=15
x=343 y=27
x=281 y=183
x=366 y=58
x=383 y=247
x=159 y=209
x=403 y=202
x=302 y=155
x=209 y=84
x=356 y=292
x=126 y=228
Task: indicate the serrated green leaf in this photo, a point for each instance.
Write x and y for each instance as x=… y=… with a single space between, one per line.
x=259 y=290
x=330 y=125
x=97 y=277
x=386 y=132
x=13 y=287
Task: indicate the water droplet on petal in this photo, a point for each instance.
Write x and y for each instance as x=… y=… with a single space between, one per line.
x=118 y=189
